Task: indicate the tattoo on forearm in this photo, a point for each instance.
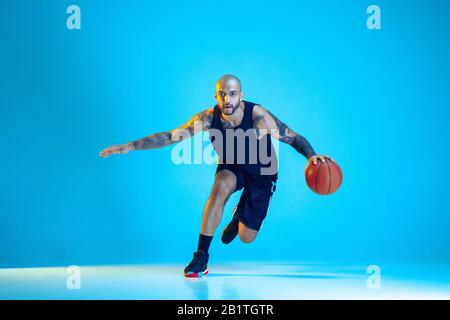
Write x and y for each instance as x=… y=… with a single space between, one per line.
x=153 y=141
x=163 y=139
x=302 y=146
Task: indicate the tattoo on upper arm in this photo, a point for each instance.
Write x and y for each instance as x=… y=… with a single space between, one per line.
x=285 y=134
x=205 y=117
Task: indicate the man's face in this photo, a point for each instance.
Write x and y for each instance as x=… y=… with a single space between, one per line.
x=228 y=95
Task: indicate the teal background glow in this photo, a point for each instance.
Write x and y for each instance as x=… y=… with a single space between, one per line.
x=377 y=101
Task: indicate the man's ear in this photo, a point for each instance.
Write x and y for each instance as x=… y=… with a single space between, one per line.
x=241 y=95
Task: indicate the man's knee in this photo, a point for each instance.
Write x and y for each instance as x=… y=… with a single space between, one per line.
x=220 y=192
x=223 y=186
x=247 y=238
x=246 y=235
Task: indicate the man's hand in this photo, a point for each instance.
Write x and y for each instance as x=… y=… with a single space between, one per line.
x=321 y=158
x=116 y=149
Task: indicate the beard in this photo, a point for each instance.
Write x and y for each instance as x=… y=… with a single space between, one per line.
x=229 y=109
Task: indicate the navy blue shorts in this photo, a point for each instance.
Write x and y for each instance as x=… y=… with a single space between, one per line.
x=255 y=198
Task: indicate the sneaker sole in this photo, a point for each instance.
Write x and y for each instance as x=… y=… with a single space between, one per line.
x=196 y=274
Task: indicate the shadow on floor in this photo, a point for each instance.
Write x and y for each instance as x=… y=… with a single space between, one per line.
x=296 y=276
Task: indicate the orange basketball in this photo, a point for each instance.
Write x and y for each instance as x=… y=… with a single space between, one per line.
x=323 y=178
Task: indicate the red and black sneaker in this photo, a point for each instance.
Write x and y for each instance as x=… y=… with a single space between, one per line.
x=198 y=267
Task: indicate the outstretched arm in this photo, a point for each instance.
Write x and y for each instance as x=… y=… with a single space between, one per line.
x=266 y=122
x=196 y=124
x=199 y=122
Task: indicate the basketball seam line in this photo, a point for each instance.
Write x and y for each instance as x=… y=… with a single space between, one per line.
x=329 y=175
x=315 y=179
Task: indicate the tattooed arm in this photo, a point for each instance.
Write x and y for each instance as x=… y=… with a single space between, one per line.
x=199 y=122
x=266 y=122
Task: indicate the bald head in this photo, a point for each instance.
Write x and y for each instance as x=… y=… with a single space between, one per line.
x=228 y=93
x=228 y=80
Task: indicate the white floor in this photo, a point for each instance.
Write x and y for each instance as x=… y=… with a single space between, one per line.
x=254 y=280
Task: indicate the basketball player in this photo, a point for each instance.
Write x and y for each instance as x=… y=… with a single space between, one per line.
x=232 y=113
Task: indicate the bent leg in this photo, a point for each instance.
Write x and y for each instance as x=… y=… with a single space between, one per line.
x=224 y=186
x=246 y=234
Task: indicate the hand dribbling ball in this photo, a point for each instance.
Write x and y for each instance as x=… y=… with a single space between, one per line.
x=323 y=177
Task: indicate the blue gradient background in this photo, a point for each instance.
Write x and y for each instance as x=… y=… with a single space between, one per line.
x=376 y=101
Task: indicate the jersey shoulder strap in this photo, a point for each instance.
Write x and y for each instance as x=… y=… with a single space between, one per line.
x=248 y=114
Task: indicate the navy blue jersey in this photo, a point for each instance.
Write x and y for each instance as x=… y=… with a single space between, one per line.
x=241 y=147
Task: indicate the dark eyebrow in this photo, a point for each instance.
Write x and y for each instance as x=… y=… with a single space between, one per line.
x=221 y=91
